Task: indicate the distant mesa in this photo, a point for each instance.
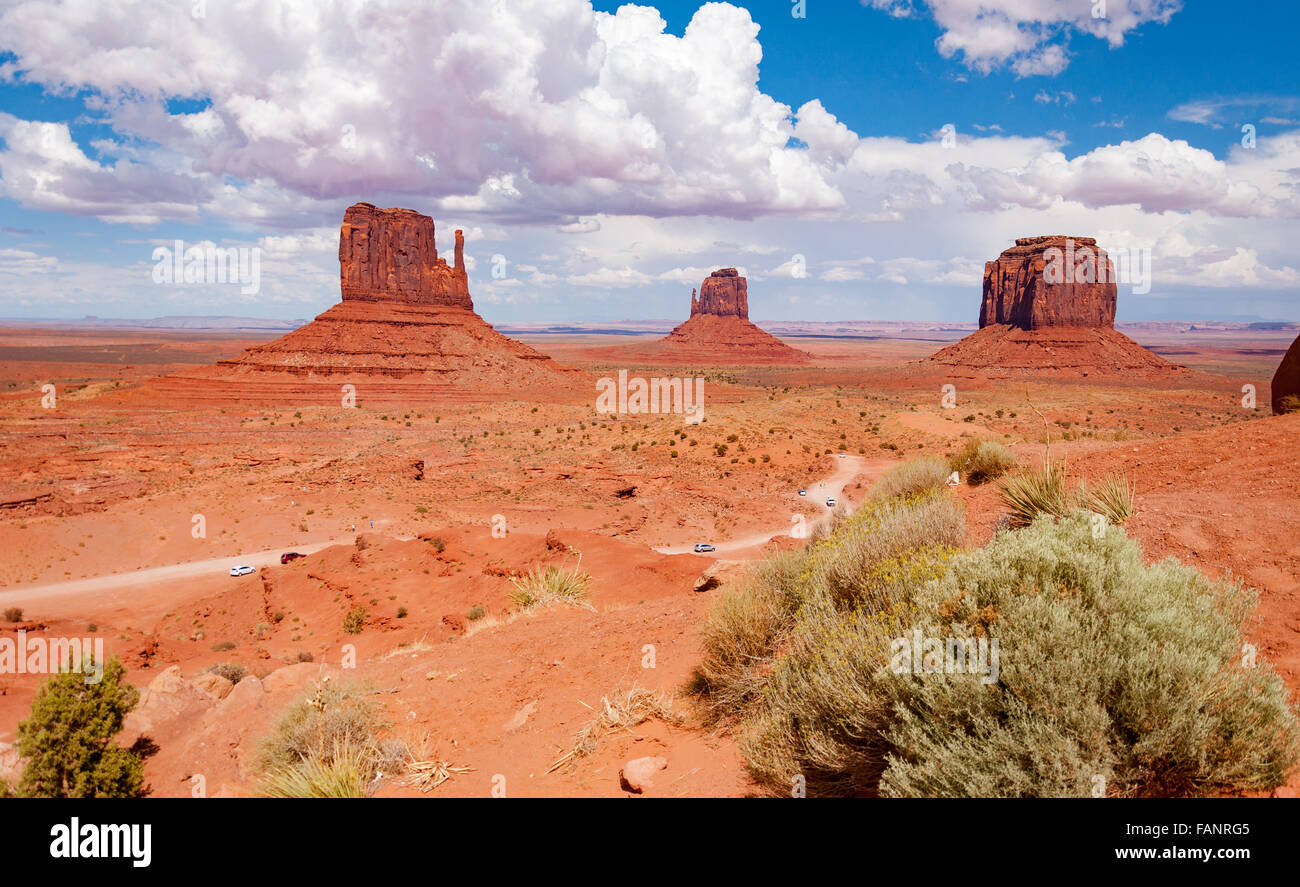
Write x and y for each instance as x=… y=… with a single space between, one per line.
x=406 y=326
x=719 y=330
x=1049 y=308
x=1286 y=381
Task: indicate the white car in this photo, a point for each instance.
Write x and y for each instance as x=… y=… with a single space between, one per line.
x=830 y=502
x=843 y=455
x=241 y=570
x=703 y=547
x=803 y=492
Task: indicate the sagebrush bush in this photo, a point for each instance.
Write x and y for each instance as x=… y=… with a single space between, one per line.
x=791 y=653
x=981 y=461
x=231 y=671
x=914 y=476
x=1111 y=673
x=1290 y=403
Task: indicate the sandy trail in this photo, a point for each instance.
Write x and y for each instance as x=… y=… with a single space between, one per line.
x=111 y=582
x=846 y=469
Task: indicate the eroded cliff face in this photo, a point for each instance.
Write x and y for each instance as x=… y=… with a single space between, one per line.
x=724 y=293
x=1052 y=281
x=392 y=255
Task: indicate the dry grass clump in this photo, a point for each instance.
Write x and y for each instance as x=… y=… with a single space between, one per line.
x=1290 y=404
x=920 y=475
x=544 y=586
x=622 y=710
x=981 y=461
x=325 y=746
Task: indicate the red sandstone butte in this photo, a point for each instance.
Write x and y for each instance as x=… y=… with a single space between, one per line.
x=719 y=330
x=405 y=330
x=1049 y=309
x=1286 y=381
x=392 y=255
x=724 y=293
x=1050 y=281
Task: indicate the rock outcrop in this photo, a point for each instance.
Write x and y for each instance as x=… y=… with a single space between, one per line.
x=1052 y=281
x=1286 y=381
x=1049 y=309
x=405 y=329
x=392 y=255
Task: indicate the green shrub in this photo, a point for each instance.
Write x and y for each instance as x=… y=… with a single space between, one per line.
x=355 y=619
x=68 y=738
x=1031 y=492
x=980 y=461
x=1111 y=673
x=914 y=476
x=1111 y=496
x=14 y=614
x=476 y=613
x=542 y=586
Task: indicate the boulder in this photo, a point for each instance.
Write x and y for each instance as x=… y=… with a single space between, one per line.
x=638 y=775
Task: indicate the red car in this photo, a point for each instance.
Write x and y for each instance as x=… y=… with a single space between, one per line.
x=290 y=556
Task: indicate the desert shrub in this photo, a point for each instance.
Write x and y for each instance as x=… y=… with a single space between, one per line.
x=325 y=746
x=355 y=619
x=1111 y=496
x=68 y=738
x=231 y=671
x=1106 y=668
x=1034 y=491
x=222 y=646
x=438 y=545
x=476 y=613
x=542 y=586
x=1290 y=403
x=980 y=461
x=913 y=476
x=791 y=654
x=14 y=614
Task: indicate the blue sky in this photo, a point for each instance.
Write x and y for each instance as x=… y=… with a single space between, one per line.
x=605 y=159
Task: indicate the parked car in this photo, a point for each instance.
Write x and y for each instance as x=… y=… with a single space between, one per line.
x=843 y=455
x=290 y=556
x=830 y=502
x=241 y=570
x=803 y=492
x=703 y=547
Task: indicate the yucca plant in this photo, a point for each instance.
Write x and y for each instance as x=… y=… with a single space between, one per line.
x=542 y=586
x=1034 y=491
x=1111 y=497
